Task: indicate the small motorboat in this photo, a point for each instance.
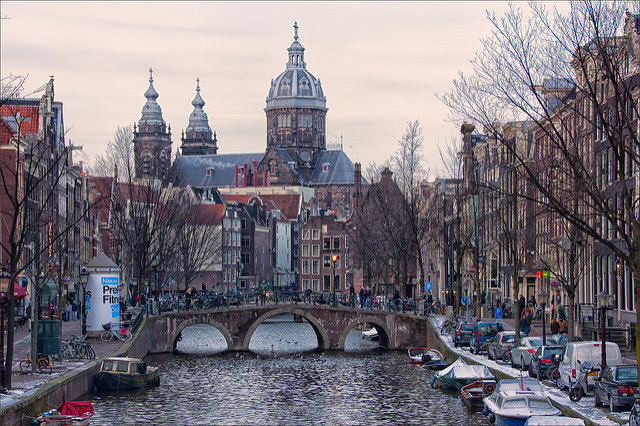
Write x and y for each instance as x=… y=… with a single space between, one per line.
x=423 y=355
x=516 y=401
x=474 y=393
x=76 y=413
x=371 y=334
x=460 y=374
x=119 y=373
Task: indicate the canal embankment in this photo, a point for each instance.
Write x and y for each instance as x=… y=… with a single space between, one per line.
x=584 y=409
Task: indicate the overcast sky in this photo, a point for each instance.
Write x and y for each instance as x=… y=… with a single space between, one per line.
x=381 y=65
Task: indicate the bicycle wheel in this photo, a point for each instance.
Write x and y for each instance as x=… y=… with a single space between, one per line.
x=127 y=337
x=44 y=366
x=106 y=336
x=25 y=366
x=91 y=354
x=553 y=374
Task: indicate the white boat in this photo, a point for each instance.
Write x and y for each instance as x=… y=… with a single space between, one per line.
x=371 y=334
x=508 y=406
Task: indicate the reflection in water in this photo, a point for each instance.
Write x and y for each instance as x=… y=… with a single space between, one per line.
x=286 y=387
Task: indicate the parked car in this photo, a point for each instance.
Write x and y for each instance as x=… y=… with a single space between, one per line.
x=501 y=344
x=483 y=332
x=563 y=339
x=584 y=351
x=523 y=350
x=617 y=386
x=543 y=359
x=462 y=335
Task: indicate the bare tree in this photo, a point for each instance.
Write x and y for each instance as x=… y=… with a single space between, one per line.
x=408 y=164
x=573 y=76
x=118 y=155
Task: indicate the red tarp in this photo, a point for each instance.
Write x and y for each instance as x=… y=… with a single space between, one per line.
x=76 y=408
x=18 y=291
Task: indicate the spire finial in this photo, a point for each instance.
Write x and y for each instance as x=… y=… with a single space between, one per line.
x=150 y=75
x=295 y=35
x=198 y=84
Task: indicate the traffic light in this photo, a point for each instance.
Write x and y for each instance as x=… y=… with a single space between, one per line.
x=539 y=274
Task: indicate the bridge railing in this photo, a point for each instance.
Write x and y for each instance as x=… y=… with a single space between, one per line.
x=213 y=300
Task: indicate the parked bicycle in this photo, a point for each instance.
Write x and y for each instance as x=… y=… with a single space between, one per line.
x=42 y=364
x=76 y=348
x=109 y=334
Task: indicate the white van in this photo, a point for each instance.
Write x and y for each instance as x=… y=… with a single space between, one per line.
x=585 y=351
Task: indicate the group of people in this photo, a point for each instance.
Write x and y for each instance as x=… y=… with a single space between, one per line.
x=70 y=311
x=365 y=297
x=558 y=318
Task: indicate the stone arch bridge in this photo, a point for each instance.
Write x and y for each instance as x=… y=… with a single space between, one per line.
x=331 y=324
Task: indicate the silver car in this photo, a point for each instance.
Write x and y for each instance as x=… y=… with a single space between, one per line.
x=523 y=351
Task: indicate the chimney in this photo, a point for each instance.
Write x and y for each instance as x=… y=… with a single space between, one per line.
x=357 y=185
x=236 y=175
x=255 y=172
x=244 y=175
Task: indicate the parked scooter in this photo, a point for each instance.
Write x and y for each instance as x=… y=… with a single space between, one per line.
x=581 y=388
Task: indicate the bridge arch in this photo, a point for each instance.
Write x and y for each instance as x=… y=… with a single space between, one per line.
x=199 y=319
x=385 y=336
x=321 y=332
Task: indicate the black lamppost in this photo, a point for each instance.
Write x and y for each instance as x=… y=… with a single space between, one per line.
x=3 y=299
x=84 y=277
x=334 y=258
x=237 y=275
x=542 y=297
x=604 y=299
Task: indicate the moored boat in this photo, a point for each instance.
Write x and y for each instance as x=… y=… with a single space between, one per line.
x=474 y=393
x=73 y=413
x=119 y=373
x=509 y=405
x=423 y=355
x=460 y=374
x=371 y=334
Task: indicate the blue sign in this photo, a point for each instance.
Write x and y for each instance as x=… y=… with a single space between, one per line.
x=115 y=311
x=87 y=303
x=464 y=300
x=428 y=286
x=498 y=313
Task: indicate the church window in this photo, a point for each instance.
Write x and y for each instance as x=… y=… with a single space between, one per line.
x=288 y=121
x=285 y=88
x=304 y=120
x=280 y=121
x=304 y=88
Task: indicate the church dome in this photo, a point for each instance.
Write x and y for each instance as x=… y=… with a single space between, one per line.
x=151 y=112
x=296 y=87
x=198 y=120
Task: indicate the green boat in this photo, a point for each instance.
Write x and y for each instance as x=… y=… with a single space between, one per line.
x=460 y=374
x=119 y=373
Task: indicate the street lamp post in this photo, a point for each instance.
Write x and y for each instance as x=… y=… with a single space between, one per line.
x=542 y=297
x=84 y=277
x=3 y=298
x=604 y=299
x=334 y=258
x=237 y=275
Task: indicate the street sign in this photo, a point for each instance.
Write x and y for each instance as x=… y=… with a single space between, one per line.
x=472 y=269
x=87 y=303
x=498 y=313
x=546 y=274
x=428 y=286
x=464 y=300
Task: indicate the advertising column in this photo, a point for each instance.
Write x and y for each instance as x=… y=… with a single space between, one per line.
x=103 y=293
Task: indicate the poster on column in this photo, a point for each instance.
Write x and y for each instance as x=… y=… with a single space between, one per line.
x=105 y=301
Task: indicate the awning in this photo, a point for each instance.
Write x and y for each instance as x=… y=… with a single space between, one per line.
x=18 y=291
x=50 y=288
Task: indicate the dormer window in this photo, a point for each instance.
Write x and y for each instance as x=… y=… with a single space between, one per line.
x=325 y=167
x=209 y=171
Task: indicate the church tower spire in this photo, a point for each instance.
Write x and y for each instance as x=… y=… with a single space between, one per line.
x=197 y=139
x=152 y=139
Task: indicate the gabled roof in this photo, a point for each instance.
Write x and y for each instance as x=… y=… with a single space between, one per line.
x=192 y=169
x=288 y=204
x=27 y=110
x=206 y=214
x=339 y=169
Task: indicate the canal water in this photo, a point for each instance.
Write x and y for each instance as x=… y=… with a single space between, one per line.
x=283 y=381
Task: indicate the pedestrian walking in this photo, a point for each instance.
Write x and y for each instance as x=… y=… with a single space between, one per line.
x=74 y=311
x=361 y=296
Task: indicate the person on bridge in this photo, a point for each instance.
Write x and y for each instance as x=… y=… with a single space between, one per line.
x=361 y=296
x=352 y=296
x=429 y=301
x=263 y=292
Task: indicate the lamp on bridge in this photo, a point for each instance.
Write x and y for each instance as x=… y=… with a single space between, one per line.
x=84 y=277
x=334 y=259
x=604 y=299
x=542 y=297
x=3 y=300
